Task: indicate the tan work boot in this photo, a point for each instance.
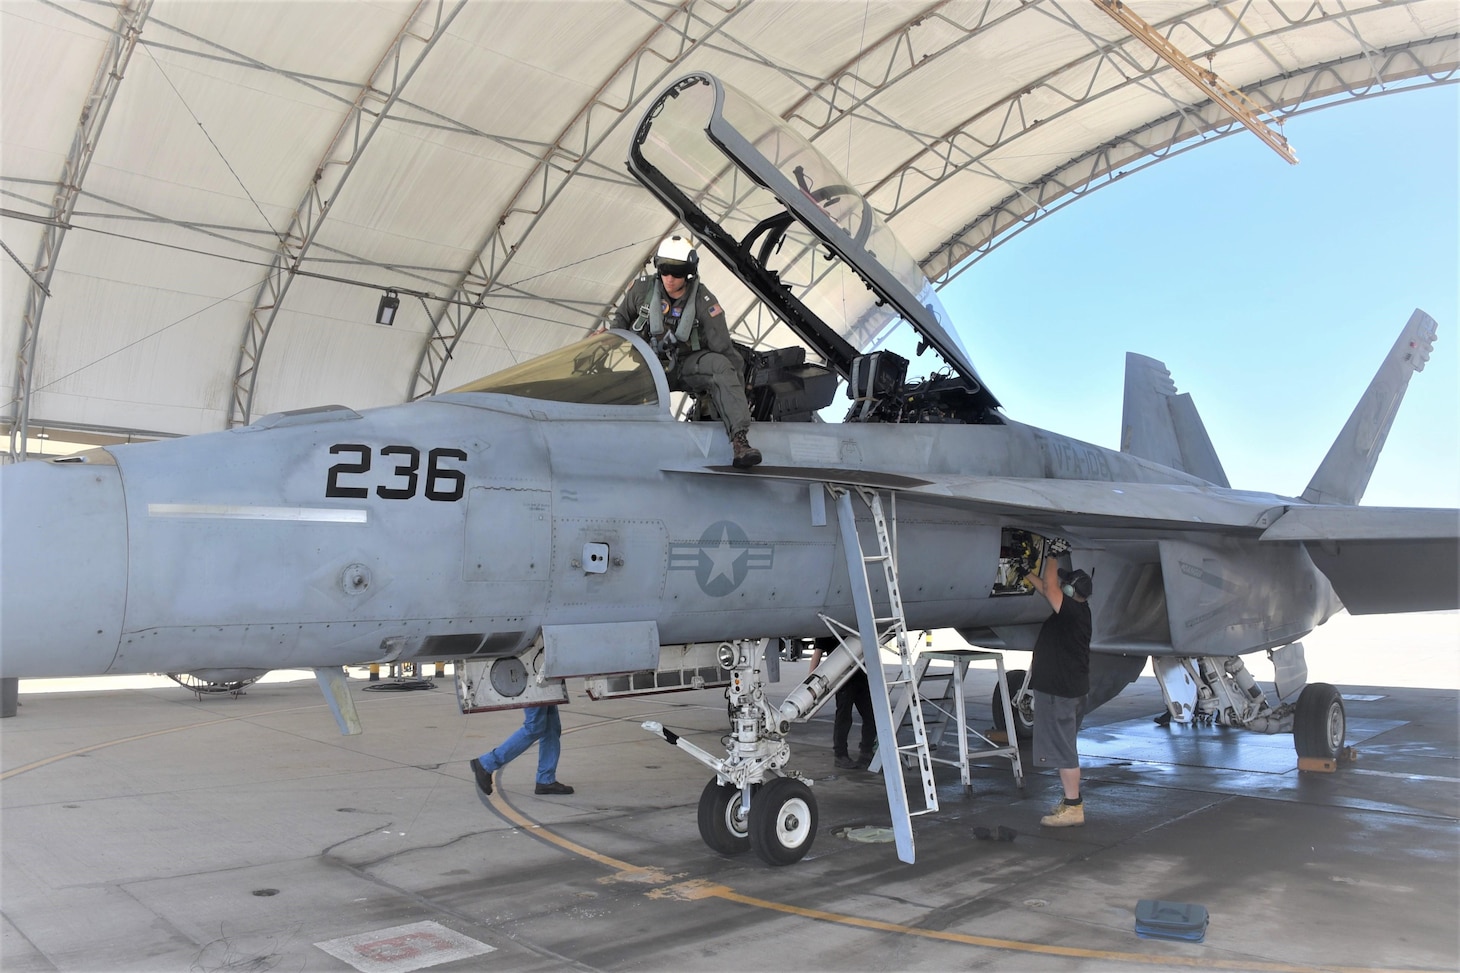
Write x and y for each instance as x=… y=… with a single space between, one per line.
x=1064 y=816
x=746 y=455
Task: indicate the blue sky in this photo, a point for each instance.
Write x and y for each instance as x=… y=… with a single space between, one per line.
x=1272 y=292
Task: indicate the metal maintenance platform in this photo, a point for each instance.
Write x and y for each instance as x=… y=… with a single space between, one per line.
x=145 y=829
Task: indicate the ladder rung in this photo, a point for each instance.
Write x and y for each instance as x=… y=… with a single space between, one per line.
x=902 y=691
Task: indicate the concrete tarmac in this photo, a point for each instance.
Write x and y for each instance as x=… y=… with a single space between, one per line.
x=147 y=830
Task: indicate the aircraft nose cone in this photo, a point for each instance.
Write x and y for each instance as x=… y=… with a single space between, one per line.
x=63 y=566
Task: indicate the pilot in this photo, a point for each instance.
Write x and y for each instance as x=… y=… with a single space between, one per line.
x=1059 y=676
x=684 y=323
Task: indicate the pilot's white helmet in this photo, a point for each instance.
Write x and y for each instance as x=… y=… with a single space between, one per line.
x=677 y=253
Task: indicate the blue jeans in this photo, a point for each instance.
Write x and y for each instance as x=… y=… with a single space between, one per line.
x=540 y=725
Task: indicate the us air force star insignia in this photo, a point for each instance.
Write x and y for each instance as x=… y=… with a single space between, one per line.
x=721 y=559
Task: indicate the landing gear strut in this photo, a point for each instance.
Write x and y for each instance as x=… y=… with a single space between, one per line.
x=752 y=802
x=1221 y=690
x=1022 y=708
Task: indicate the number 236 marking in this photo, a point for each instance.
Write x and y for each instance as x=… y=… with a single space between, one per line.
x=442 y=482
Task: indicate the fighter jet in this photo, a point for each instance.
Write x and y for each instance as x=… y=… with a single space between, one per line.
x=556 y=521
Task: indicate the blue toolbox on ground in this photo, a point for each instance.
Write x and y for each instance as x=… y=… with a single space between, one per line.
x=1185 y=921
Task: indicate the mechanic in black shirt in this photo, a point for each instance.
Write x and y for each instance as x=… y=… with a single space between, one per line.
x=1059 y=676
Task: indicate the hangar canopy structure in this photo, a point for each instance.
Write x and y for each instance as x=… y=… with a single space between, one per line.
x=204 y=203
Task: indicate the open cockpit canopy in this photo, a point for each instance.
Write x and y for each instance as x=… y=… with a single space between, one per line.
x=780 y=215
x=790 y=226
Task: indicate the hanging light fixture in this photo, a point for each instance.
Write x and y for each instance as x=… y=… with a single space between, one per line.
x=385 y=313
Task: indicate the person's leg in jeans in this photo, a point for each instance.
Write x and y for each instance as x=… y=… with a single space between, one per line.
x=533 y=724
x=549 y=743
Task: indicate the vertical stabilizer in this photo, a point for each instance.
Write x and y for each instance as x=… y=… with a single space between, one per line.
x=1162 y=425
x=1344 y=473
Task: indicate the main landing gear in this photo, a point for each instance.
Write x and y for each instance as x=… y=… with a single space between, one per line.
x=1219 y=689
x=1022 y=705
x=1319 y=722
x=752 y=803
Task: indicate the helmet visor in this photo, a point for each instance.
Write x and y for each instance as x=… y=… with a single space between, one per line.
x=670 y=268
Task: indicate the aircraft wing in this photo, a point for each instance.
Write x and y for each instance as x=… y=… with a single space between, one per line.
x=1380 y=559
x=1088 y=507
x=1095 y=507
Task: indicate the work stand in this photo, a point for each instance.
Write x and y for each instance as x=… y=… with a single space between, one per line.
x=952 y=710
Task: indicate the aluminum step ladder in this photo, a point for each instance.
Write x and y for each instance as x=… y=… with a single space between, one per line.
x=875 y=630
x=952 y=714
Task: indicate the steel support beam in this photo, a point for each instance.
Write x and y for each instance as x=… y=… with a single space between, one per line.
x=1369 y=74
x=666 y=45
x=1232 y=101
x=426 y=24
x=104 y=86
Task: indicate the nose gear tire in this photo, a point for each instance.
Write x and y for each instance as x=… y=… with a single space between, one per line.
x=782 y=821
x=724 y=823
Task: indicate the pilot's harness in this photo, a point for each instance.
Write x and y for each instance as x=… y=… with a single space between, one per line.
x=667 y=344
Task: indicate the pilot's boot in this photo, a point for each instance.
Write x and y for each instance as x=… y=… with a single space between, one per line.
x=746 y=455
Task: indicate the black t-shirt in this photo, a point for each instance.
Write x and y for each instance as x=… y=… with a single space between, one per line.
x=1061 y=663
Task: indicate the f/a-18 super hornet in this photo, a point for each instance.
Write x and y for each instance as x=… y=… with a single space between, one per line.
x=556 y=521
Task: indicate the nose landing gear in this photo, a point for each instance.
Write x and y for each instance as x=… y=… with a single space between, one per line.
x=752 y=802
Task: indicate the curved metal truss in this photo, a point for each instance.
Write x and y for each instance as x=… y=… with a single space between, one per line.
x=1362 y=76
x=878 y=84
x=423 y=27
x=121 y=42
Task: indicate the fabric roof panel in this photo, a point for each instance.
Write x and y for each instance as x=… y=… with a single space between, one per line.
x=469 y=142
x=314 y=38
x=46 y=66
x=336 y=358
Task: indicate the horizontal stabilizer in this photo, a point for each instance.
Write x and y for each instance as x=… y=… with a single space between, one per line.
x=1344 y=473
x=1161 y=425
x=1380 y=559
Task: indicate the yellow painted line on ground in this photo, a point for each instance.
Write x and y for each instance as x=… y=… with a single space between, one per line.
x=622 y=870
x=696 y=889
x=1020 y=946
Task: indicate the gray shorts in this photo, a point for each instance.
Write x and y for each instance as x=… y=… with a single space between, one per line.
x=1056 y=721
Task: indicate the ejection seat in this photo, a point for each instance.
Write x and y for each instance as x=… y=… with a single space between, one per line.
x=782 y=387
